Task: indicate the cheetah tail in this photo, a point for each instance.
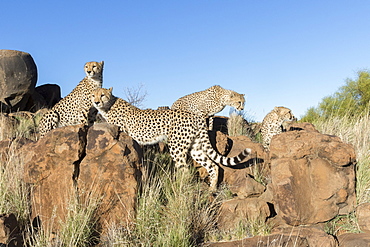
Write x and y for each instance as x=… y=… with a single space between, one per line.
x=228 y=161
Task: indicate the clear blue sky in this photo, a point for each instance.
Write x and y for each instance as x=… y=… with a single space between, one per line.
x=278 y=53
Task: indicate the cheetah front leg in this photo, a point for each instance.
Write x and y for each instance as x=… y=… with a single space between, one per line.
x=48 y=122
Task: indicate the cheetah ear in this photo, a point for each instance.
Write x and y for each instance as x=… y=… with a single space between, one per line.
x=110 y=89
x=102 y=63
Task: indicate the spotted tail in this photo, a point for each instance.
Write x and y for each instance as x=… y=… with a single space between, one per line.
x=216 y=157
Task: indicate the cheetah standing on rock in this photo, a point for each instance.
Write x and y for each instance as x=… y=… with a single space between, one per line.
x=208 y=102
x=76 y=107
x=182 y=130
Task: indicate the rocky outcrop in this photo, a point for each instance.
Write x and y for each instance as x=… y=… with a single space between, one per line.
x=18 y=77
x=71 y=163
x=313 y=177
x=289 y=237
x=50 y=167
x=111 y=168
x=287 y=186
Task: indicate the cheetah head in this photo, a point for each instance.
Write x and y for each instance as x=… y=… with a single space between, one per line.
x=94 y=70
x=237 y=101
x=284 y=113
x=101 y=98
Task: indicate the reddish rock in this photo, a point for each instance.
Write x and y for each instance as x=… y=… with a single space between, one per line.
x=9 y=147
x=50 y=166
x=234 y=211
x=308 y=127
x=110 y=169
x=354 y=240
x=363 y=217
x=240 y=178
x=313 y=177
x=289 y=237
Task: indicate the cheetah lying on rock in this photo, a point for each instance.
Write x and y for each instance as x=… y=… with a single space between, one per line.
x=182 y=130
x=76 y=107
x=208 y=102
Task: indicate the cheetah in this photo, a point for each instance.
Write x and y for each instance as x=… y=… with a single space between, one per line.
x=208 y=102
x=183 y=131
x=273 y=123
x=76 y=107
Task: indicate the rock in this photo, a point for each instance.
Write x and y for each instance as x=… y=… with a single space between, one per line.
x=18 y=77
x=8 y=125
x=219 y=123
x=50 y=94
x=354 y=240
x=289 y=237
x=9 y=147
x=309 y=127
x=95 y=166
x=234 y=211
x=50 y=169
x=363 y=217
x=9 y=231
x=241 y=178
x=302 y=163
x=110 y=169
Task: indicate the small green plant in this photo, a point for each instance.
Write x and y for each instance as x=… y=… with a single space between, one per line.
x=244 y=228
x=342 y=223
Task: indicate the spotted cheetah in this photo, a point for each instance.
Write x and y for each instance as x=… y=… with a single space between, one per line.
x=208 y=102
x=182 y=130
x=76 y=107
x=273 y=123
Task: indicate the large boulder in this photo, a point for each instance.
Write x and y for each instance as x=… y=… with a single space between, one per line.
x=47 y=95
x=111 y=170
x=313 y=177
x=97 y=167
x=51 y=168
x=18 y=77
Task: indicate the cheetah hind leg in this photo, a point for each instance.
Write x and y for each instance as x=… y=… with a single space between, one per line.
x=198 y=155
